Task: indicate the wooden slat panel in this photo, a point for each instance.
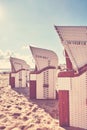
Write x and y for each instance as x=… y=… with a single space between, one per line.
x=33 y=89
x=64 y=107
x=12 y=82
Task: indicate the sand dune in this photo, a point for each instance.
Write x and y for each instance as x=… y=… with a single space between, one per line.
x=19 y=113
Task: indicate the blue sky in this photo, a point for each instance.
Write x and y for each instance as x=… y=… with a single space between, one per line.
x=31 y=22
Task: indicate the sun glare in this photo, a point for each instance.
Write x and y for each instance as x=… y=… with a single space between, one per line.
x=2 y=13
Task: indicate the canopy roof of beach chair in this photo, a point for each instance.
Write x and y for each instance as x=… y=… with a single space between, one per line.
x=18 y=64
x=44 y=58
x=74 y=40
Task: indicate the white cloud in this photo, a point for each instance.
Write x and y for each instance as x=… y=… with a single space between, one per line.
x=4 y=59
x=4 y=64
x=5 y=55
